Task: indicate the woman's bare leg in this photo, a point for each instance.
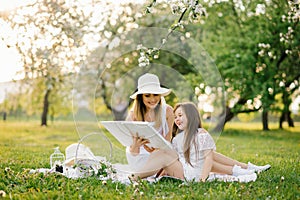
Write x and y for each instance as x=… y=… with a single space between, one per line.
x=175 y=169
x=166 y=159
x=222 y=159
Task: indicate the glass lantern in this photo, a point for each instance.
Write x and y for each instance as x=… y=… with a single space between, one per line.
x=56 y=158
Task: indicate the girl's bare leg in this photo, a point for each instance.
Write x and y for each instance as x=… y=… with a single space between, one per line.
x=220 y=158
x=221 y=168
x=166 y=159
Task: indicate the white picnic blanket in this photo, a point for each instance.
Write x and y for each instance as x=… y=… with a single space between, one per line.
x=123 y=172
x=81 y=162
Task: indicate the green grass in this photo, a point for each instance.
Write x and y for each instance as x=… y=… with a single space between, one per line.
x=26 y=145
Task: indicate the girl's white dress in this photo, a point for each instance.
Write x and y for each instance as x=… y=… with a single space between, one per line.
x=204 y=141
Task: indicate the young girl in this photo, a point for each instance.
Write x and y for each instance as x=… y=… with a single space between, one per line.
x=196 y=156
x=196 y=147
x=191 y=123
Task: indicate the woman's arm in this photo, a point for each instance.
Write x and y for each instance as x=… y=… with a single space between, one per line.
x=134 y=149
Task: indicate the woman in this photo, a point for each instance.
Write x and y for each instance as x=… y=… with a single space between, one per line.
x=149 y=106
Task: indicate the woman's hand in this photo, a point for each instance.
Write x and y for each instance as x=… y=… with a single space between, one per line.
x=137 y=143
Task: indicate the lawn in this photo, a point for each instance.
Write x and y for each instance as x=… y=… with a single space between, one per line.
x=26 y=145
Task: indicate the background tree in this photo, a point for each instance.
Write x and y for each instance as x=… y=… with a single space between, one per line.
x=49 y=36
x=279 y=56
x=115 y=22
x=119 y=54
x=235 y=33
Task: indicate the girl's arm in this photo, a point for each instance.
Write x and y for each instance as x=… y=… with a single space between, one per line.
x=170 y=121
x=208 y=162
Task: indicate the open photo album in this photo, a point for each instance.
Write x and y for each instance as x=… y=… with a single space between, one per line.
x=123 y=131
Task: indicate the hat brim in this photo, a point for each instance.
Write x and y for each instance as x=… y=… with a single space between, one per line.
x=161 y=91
x=71 y=161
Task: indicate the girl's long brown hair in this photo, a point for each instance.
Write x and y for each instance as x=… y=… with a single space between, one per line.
x=193 y=123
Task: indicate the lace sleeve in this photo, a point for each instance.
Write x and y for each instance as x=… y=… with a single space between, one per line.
x=205 y=141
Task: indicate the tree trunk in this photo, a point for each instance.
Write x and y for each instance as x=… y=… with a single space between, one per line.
x=4 y=116
x=119 y=115
x=265 y=120
x=286 y=116
x=228 y=116
x=45 y=108
x=290 y=120
x=119 y=111
x=281 y=120
x=286 y=113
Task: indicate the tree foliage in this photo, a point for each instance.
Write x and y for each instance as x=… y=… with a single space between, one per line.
x=49 y=35
x=254 y=44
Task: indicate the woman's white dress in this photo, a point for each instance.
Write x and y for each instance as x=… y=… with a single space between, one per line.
x=204 y=142
x=136 y=162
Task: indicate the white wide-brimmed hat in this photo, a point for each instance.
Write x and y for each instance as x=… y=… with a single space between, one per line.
x=149 y=84
x=76 y=152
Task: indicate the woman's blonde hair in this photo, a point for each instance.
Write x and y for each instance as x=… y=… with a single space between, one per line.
x=139 y=111
x=193 y=123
